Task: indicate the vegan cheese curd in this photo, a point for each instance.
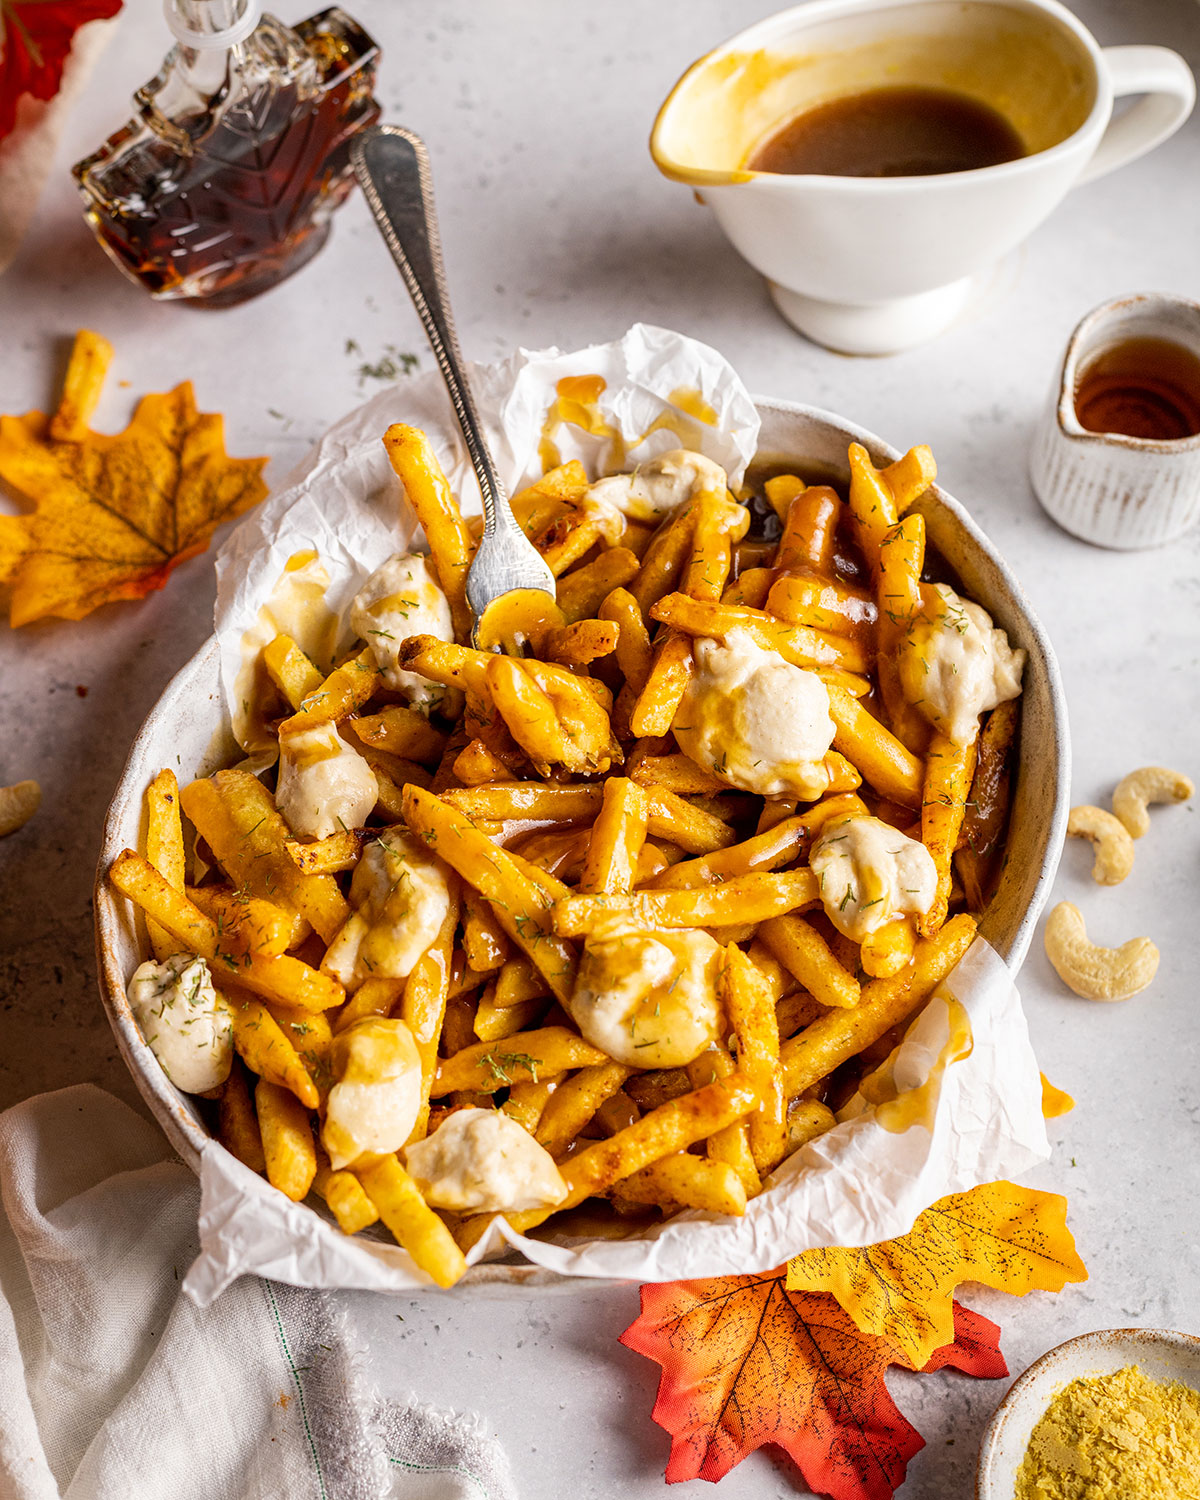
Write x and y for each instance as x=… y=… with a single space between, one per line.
x=374 y=1104
x=955 y=664
x=324 y=783
x=657 y=488
x=187 y=1025
x=648 y=997
x=755 y=720
x=869 y=873
x=400 y=599
x=400 y=899
x=478 y=1161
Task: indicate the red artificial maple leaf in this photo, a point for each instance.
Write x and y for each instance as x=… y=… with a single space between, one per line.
x=746 y=1362
x=35 y=38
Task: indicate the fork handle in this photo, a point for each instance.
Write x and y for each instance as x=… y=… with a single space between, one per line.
x=392 y=165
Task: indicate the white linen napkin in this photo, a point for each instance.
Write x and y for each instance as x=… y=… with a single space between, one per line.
x=113 y=1386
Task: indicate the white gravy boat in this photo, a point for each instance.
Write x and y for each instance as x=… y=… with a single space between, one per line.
x=871 y=265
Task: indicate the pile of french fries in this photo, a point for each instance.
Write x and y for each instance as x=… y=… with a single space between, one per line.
x=554 y=793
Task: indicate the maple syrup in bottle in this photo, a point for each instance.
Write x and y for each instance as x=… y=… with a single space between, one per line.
x=224 y=182
x=1143 y=388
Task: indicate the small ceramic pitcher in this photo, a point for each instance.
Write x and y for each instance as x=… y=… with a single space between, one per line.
x=1107 y=488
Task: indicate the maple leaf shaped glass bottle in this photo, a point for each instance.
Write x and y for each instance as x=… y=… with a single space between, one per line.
x=225 y=180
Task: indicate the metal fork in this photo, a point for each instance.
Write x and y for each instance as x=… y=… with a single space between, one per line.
x=392 y=165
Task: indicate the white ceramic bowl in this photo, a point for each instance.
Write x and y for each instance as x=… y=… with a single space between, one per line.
x=184 y=731
x=1161 y=1353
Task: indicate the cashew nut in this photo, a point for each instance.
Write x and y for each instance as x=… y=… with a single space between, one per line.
x=17 y=805
x=1114 y=847
x=1150 y=784
x=1091 y=971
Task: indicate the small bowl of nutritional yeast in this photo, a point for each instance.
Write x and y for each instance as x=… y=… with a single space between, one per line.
x=1110 y=1413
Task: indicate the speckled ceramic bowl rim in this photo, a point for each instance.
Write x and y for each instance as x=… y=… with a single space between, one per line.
x=1035 y=1389
x=187 y=1136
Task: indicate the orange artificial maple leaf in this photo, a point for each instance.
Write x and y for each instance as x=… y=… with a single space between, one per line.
x=1008 y=1237
x=113 y=515
x=747 y=1362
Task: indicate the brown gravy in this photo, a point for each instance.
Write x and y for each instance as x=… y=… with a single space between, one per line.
x=890 y=132
x=1143 y=388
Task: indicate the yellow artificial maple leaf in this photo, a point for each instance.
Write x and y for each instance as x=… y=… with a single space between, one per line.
x=113 y=514
x=1008 y=1237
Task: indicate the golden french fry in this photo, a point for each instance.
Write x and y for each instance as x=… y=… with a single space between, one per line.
x=344 y=1194
x=268 y=1051
x=889 y=948
x=246 y=924
x=486 y=1067
x=575 y=1101
x=237 y=1124
x=810 y=518
x=287 y=1140
x=750 y=588
x=632 y=647
x=717 y=522
x=949 y=769
x=581 y=591
x=519 y=982
x=822 y=603
x=520 y=903
x=526 y=1101
x=807 y=1119
x=551 y=714
x=483 y=938
x=476 y=765
x=671 y=669
x=450 y=546
x=91 y=356
x=892 y=769
x=400 y=730
x=805 y=954
x=746 y=898
x=664 y=559
x=536 y=505
x=686 y=1181
x=415 y=1225
x=751 y=1011
x=374 y=997
x=674 y=773
x=423 y=1007
x=328 y=856
x=346 y=688
x=164 y=845
x=842 y=1034
x=617 y=838
x=495 y=1022
x=580 y=644
x=290 y=670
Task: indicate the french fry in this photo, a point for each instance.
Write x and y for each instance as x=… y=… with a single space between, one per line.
x=664 y=559
x=346 y=688
x=842 y=1034
x=454 y=666
x=746 y=898
x=797 y=644
x=809 y=524
x=328 y=856
x=292 y=672
x=617 y=838
x=423 y=1006
x=266 y=1049
x=495 y=1022
x=237 y=818
x=374 y=997
x=164 y=832
x=987 y=804
x=671 y=670
x=686 y=1181
x=889 y=948
x=526 y=1101
x=237 y=1124
x=751 y=1010
x=573 y=533
x=822 y=603
x=879 y=497
x=91 y=356
x=802 y=950
x=400 y=730
x=902 y=556
x=633 y=650
x=890 y=767
x=345 y=1197
x=551 y=714
x=483 y=938
x=796 y=1011
x=287 y=1140
x=246 y=923
x=535 y=505
x=484 y=1068
x=581 y=592
x=519 y=902
x=750 y=588
x=476 y=765
x=807 y=1119
x=717 y=522
x=674 y=773
x=519 y=982
x=450 y=547
x=574 y=1103
x=582 y=643
x=415 y=1225
x=949 y=769
x=284 y=978
x=311 y=1033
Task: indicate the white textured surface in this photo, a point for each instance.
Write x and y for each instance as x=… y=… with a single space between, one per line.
x=559 y=230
